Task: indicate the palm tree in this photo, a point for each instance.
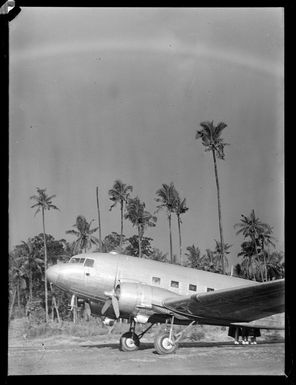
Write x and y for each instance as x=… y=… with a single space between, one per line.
x=44 y=202
x=194 y=257
x=158 y=255
x=85 y=239
x=30 y=262
x=275 y=265
x=250 y=261
x=251 y=227
x=139 y=217
x=120 y=193
x=179 y=210
x=265 y=239
x=167 y=197
x=17 y=279
x=210 y=261
x=211 y=139
x=218 y=252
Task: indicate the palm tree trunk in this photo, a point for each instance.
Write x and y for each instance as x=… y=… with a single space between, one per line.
x=121 y=224
x=257 y=257
x=170 y=231
x=18 y=296
x=99 y=220
x=45 y=266
x=140 y=241
x=265 y=263
x=219 y=211
x=12 y=302
x=180 y=238
x=30 y=286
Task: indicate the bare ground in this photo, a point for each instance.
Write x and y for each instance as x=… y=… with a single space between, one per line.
x=102 y=356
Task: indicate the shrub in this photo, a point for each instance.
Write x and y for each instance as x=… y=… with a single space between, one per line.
x=197 y=335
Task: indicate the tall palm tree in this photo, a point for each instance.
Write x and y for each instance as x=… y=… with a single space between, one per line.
x=251 y=227
x=212 y=141
x=179 y=210
x=99 y=219
x=44 y=202
x=139 y=217
x=167 y=197
x=85 y=239
x=119 y=193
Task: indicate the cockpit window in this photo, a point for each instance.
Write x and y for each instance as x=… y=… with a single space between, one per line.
x=89 y=262
x=76 y=260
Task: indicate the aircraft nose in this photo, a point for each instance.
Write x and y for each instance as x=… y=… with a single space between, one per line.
x=52 y=273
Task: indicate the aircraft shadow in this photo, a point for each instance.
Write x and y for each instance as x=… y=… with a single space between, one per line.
x=184 y=344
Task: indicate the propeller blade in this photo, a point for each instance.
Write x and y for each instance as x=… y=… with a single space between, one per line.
x=106 y=306
x=115 y=305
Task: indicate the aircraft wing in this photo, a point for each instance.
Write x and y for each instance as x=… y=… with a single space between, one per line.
x=236 y=304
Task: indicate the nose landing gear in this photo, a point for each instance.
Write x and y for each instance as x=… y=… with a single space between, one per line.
x=130 y=341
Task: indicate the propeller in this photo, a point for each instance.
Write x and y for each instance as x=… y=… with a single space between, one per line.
x=113 y=299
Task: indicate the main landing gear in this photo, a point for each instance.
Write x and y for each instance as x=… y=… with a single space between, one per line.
x=167 y=342
x=164 y=343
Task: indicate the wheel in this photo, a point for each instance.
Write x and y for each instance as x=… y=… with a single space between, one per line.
x=129 y=342
x=163 y=345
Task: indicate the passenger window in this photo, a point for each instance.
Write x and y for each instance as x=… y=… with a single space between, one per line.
x=82 y=260
x=210 y=289
x=89 y=262
x=174 y=284
x=192 y=287
x=156 y=280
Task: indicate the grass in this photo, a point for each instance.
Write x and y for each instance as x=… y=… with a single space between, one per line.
x=22 y=328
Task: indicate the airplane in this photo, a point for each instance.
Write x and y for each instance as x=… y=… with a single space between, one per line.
x=147 y=291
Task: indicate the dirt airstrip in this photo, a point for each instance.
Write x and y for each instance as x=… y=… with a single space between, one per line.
x=104 y=357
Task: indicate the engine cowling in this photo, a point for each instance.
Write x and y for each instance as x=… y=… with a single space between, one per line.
x=134 y=297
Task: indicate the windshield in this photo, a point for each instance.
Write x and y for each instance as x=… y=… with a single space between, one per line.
x=76 y=260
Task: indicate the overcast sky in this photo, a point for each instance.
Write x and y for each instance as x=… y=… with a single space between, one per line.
x=99 y=94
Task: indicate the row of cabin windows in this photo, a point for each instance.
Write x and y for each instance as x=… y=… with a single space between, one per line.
x=175 y=284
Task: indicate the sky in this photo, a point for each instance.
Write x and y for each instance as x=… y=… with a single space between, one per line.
x=99 y=94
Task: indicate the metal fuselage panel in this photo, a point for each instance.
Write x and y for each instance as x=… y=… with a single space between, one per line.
x=92 y=282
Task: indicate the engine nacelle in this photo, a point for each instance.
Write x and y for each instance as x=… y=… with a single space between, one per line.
x=134 y=297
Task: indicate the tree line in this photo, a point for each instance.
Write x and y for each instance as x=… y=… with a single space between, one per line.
x=29 y=260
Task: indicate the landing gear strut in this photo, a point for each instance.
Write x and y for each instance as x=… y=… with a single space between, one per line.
x=130 y=341
x=166 y=343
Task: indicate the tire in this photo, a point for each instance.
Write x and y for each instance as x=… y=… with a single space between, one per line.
x=162 y=344
x=129 y=342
